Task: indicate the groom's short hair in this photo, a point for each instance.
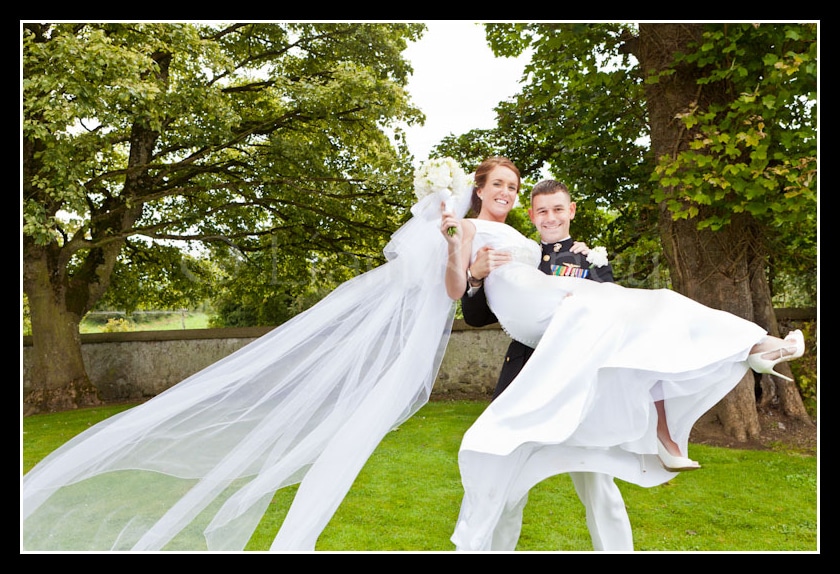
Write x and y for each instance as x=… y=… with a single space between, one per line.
x=548 y=186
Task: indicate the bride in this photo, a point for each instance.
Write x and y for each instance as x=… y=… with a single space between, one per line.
x=195 y=467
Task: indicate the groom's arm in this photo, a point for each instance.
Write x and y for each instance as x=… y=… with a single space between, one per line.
x=476 y=311
x=474 y=305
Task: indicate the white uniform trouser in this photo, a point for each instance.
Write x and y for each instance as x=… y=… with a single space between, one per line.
x=606 y=515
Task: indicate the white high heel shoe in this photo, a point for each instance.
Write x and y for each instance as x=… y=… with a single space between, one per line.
x=675 y=463
x=786 y=353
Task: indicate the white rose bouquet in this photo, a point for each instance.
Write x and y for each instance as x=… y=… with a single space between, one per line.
x=442 y=177
x=597 y=256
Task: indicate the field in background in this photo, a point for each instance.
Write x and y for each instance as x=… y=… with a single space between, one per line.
x=144 y=321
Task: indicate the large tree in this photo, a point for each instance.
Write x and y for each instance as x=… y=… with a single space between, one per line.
x=253 y=136
x=704 y=134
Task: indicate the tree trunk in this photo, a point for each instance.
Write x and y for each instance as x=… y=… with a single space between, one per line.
x=58 y=380
x=707 y=267
x=775 y=392
x=60 y=297
x=711 y=267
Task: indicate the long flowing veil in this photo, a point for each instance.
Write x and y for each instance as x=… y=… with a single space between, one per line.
x=195 y=467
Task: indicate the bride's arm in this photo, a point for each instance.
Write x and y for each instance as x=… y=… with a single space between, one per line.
x=459 y=247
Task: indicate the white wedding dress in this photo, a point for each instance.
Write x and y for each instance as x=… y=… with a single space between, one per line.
x=195 y=467
x=584 y=400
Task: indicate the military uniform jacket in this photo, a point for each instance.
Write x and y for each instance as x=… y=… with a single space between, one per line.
x=556 y=260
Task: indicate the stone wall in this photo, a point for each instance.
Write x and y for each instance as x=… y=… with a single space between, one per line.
x=139 y=365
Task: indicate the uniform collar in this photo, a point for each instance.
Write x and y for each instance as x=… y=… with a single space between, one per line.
x=553 y=246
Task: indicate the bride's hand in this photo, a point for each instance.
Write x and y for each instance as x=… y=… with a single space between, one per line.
x=448 y=223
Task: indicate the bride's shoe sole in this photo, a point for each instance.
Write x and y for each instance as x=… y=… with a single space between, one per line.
x=678 y=469
x=670 y=466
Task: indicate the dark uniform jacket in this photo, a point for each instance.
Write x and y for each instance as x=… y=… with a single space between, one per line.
x=556 y=260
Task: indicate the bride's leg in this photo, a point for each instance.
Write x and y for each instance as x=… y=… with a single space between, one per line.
x=669 y=451
x=773 y=348
x=662 y=432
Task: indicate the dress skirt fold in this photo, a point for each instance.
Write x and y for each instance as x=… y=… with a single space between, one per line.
x=584 y=400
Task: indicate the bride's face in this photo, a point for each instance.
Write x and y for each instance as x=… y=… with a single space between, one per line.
x=498 y=194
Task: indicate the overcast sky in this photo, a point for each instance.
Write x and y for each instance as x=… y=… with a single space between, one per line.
x=457 y=82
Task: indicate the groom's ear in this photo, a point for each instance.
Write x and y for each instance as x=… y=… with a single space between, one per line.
x=572 y=210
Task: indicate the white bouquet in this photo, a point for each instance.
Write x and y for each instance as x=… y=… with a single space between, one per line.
x=442 y=177
x=597 y=256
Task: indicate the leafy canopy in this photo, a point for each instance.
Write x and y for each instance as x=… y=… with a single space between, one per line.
x=581 y=117
x=240 y=136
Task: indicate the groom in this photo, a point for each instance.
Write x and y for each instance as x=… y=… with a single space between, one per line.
x=552 y=212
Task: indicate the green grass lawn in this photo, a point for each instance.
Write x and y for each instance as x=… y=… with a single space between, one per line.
x=407 y=496
x=162 y=322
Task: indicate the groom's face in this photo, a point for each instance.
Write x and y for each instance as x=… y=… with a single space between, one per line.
x=552 y=215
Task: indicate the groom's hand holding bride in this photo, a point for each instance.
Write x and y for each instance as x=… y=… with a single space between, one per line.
x=487 y=259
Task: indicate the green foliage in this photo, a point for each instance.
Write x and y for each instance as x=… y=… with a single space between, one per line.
x=269 y=286
x=120 y=325
x=473 y=147
x=642 y=265
x=805 y=370
x=579 y=121
x=758 y=153
x=581 y=117
x=26 y=319
x=153 y=275
x=156 y=134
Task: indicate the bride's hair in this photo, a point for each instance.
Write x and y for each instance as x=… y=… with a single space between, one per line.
x=483 y=170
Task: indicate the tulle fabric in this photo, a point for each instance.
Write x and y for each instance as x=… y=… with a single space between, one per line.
x=584 y=400
x=196 y=467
